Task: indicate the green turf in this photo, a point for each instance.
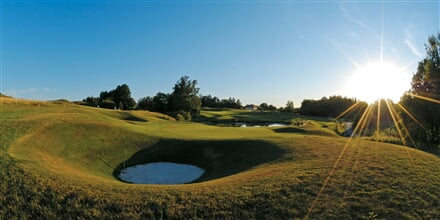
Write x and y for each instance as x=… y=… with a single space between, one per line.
x=58 y=161
x=218 y=115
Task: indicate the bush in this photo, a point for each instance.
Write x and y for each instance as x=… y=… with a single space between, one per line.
x=107 y=104
x=181 y=115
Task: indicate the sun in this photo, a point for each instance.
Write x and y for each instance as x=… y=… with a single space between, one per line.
x=378 y=80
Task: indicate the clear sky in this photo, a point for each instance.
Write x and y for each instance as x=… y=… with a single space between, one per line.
x=258 y=51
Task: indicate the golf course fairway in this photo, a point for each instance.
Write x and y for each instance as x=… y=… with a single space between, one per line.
x=59 y=160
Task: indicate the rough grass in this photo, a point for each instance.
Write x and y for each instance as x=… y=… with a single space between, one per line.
x=57 y=161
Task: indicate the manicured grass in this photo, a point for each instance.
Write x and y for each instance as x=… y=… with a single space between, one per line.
x=246 y=116
x=59 y=161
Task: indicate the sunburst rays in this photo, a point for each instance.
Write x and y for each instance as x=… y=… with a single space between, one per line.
x=361 y=129
x=425 y=98
x=389 y=107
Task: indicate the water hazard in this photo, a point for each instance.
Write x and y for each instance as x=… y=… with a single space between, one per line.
x=161 y=173
x=251 y=125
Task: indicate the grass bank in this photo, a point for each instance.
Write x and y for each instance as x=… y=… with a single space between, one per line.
x=58 y=160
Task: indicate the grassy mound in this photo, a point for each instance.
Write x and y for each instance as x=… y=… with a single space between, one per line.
x=59 y=160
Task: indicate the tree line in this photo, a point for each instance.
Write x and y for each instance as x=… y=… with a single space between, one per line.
x=118 y=98
x=183 y=103
x=418 y=108
x=158 y=103
x=422 y=101
x=214 y=102
x=332 y=107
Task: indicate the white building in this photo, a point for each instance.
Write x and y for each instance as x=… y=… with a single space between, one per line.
x=251 y=107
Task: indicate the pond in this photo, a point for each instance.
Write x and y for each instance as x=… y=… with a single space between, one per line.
x=251 y=125
x=161 y=173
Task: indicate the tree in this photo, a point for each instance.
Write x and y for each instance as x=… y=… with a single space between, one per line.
x=289 y=107
x=214 y=102
x=271 y=108
x=107 y=103
x=121 y=96
x=209 y=101
x=263 y=106
x=425 y=83
x=185 y=97
x=145 y=103
x=91 y=101
x=105 y=95
x=330 y=107
x=160 y=103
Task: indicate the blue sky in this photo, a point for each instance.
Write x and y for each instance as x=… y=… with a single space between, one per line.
x=258 y=51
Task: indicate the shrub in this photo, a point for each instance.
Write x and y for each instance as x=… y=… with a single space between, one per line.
x=107 y=104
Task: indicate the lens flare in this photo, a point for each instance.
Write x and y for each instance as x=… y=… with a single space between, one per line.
x=378 y=80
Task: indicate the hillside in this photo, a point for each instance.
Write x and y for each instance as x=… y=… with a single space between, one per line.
x=58 y=160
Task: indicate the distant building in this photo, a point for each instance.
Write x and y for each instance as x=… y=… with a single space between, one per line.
x=251 y=107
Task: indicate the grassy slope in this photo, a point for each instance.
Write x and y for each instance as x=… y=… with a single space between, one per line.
x=57 y=160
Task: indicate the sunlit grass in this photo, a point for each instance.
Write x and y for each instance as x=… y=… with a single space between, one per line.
x=57 y=162
x=360 y=129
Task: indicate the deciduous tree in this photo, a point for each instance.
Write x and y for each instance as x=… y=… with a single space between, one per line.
x=185 y=97
x=423 y=97
x=289 y=107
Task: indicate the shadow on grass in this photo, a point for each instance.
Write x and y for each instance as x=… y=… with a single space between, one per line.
x=218 y=158
x=289 y=130
x=129 y=117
